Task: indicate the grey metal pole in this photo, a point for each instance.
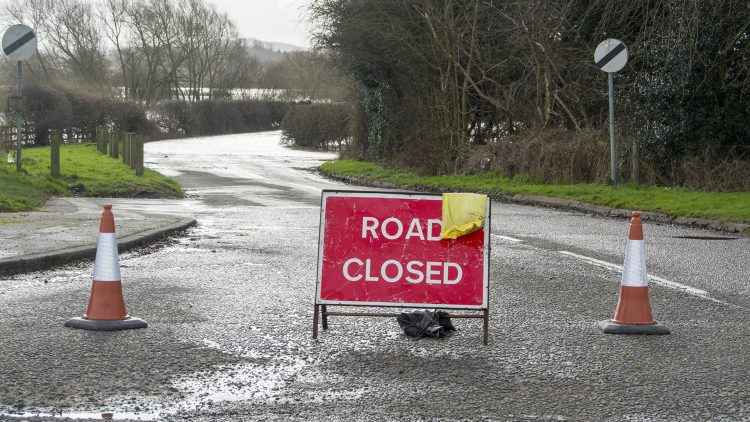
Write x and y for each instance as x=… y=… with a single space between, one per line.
x=19 y=92
x=613 y=151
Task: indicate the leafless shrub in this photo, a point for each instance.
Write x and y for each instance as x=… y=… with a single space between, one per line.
x=320 y=126
x=218 y=117
x=712 y=171
x=553 y=155
x=565 y=156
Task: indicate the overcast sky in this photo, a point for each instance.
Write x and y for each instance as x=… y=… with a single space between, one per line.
x=269 y=20
x=266 y=20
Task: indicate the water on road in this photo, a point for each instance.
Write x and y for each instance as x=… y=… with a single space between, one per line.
x=230 y=305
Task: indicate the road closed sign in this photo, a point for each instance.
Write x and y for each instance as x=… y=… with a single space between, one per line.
x=384 y=249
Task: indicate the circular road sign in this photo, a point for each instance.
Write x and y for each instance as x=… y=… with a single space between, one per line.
x=19 y=42
x=611 y=55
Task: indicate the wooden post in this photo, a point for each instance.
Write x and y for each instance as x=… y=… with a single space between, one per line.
x=131 y=152
x=139 y=156
x=125 y=146
x=636 y=164
x=114 y=144
x=107 y=143
x=54 y=165
x=98 y=138
x=130 y=149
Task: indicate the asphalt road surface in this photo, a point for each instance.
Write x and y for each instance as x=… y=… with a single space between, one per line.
x=230 y=307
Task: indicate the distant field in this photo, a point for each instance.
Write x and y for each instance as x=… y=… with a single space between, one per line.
x=725 y=207
x=83 y=171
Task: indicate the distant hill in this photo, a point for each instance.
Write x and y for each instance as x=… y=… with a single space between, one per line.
x=270 y=52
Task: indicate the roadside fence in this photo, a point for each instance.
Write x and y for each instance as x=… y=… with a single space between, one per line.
x=29 y=135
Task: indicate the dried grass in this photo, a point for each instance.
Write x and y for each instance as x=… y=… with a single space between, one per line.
x=565 y=156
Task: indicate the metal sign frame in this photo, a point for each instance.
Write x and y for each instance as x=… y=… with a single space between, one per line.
x=321 y=312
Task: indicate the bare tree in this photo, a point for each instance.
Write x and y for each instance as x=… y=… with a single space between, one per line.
x=145 y=52
x=76 y=37
x=113 y=15
x=34 y=13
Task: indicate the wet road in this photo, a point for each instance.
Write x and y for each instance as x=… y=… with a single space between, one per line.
x=229 y=308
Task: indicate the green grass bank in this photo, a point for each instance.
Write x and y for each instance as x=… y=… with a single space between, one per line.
x=731 y=207
x=83 y=170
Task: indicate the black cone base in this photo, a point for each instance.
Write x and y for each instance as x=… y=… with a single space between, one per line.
x=610 y=327
x=106 y=325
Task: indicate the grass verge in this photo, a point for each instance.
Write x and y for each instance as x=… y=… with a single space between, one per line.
x=82 y=170
x=726 y=207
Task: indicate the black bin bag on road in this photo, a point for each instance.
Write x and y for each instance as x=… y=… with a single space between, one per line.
x=425 y=323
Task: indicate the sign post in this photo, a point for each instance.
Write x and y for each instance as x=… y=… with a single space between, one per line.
x=610 y=56
x=384 y=249
x=19 y=44
x=19 y=118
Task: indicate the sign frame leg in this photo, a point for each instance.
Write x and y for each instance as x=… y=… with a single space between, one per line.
x=486 y=326
x=315 y=322
x=324 y=311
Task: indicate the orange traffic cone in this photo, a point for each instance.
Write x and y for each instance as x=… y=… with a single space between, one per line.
x=633 y=313
x=106 y=311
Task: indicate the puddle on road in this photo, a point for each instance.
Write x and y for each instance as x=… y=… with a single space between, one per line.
x=239 y=382
x=254 y=382
x=78 y=415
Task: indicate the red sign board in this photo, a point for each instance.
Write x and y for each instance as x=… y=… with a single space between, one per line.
x=384 y=249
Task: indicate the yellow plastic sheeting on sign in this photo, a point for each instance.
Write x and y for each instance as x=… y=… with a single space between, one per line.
x=463 y=213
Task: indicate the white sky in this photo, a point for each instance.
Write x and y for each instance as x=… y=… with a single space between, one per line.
x=269 y=20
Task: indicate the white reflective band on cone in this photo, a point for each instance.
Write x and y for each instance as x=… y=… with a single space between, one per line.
x=107 y=265
x=634 y=272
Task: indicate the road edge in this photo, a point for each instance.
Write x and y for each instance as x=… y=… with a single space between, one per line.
x=566 y=204
x=42 y=261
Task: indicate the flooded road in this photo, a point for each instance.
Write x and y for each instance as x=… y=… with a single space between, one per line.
x=230 y=305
